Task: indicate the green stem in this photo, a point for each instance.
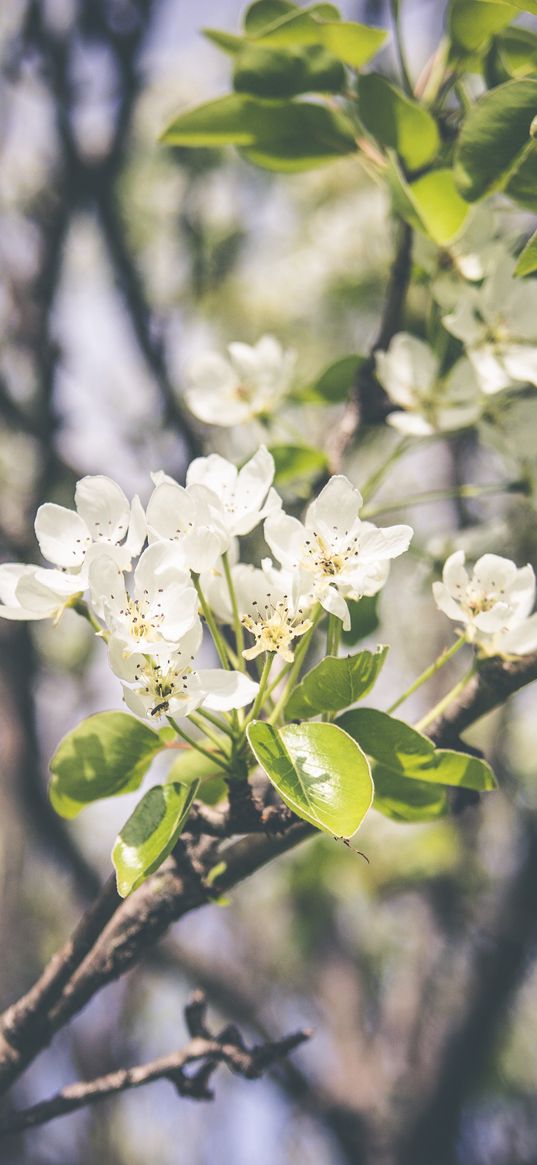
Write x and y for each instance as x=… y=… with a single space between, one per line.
x=218 y=639
x=81 y=608
x=429 y=671
x=440 y=495
x=218 y=723
x=333 y=632
x=199 y=747
x=237 y=625
x=446 y=700
x=262 y=691
x=395 y=6
x=198 y=723
x=371 y=485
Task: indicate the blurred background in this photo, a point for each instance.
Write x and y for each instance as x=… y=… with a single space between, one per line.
x=120 y=260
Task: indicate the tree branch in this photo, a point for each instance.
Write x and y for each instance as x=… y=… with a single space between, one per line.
x=210 y=1050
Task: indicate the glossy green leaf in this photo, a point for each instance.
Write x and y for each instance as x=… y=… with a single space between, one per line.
x=297 y=463
x=150 y=834
x=105 y=755
x=336 y=382
x=524 y=5
x=352 y=43
x=402 y=799
x=527 y=260
x=227 y=41
x=495 y=139
x=334 y=684
x=397 y=122
x=473 y=23
x=319 y=772
x=522 y=186
x=516 y=51
x=278 y=135
x=402 y=749
x=279 y=73
x=364 y=619
x=191 y=767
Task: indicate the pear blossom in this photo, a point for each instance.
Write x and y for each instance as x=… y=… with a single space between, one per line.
x=493 y=603
x=497 y=323
x=243 y=497
x=172 y=686
x=33 y=592
x=190 y=518
x=163 y=605
x=271 y=610
x=249 y=383
x=409 y=371
x=103 y=521
x=337 y=555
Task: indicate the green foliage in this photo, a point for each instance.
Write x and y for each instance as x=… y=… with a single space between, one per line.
x=527 y=260
x=269 y=72
x=150 y=833
x=335 y=382
x=295 y=463
x=406 y=752
x=105 y=755
x=402 y=799
x=319 y=772
x=364 y=619
x=512 y=55
x=397 y=122
x=495 y=142
x=473 y=23
x=431 y=204
x=289 y=136
x=334 y=684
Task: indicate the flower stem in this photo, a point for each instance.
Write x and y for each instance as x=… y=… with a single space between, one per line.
x=218 y=723
x=429 y=671
x=296 y=665
x=218 y=639
x=216 y=740
x=395 y=6
x=199 y=747
x=237 y=625
x=262 y=691
x=440 y=495
x=446 y=700
x=81 y=608
x=333 y=632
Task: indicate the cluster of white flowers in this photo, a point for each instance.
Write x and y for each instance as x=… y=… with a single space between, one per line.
x=250 y=383
x=496 y=321
x=493 y=604
x=149 y=611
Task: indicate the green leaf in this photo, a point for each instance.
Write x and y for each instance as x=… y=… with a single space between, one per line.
x=397 y=122
x=278 y=135
x=297 y=462
x=516 y=52
x=150 y=834
x=522 y=186
x=364 y=619
x=280 y=73
x=335 y=383
x=405 y=751
x=431 y=204
x=352 y=43
x=402 y=799
x=106 y=755
x=473 y=23
x=527 y=261
x=495 y=139
x=334 y=684
x=524 y=5
x=264 y=13
x=227 y=41
x=319 y=772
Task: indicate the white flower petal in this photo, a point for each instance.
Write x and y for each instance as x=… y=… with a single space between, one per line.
x=520 y=640
x=286 y=537
x=62 y=535
x=336 y=507
x=226 y=689
x=335 y=604
x=102 y=505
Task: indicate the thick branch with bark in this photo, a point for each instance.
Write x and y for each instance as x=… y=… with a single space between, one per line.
x=203 y=1049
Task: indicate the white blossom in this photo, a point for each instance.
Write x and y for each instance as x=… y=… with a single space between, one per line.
x=492 y=604
x=172 y=686
x=497 y=323
x=242 y=497
x=250 y=382
x=103 y=521
x=162 y=608
x=189 y=518
x=33 y=592
x=409 y=371
x=271 y=610
x=338 y=556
